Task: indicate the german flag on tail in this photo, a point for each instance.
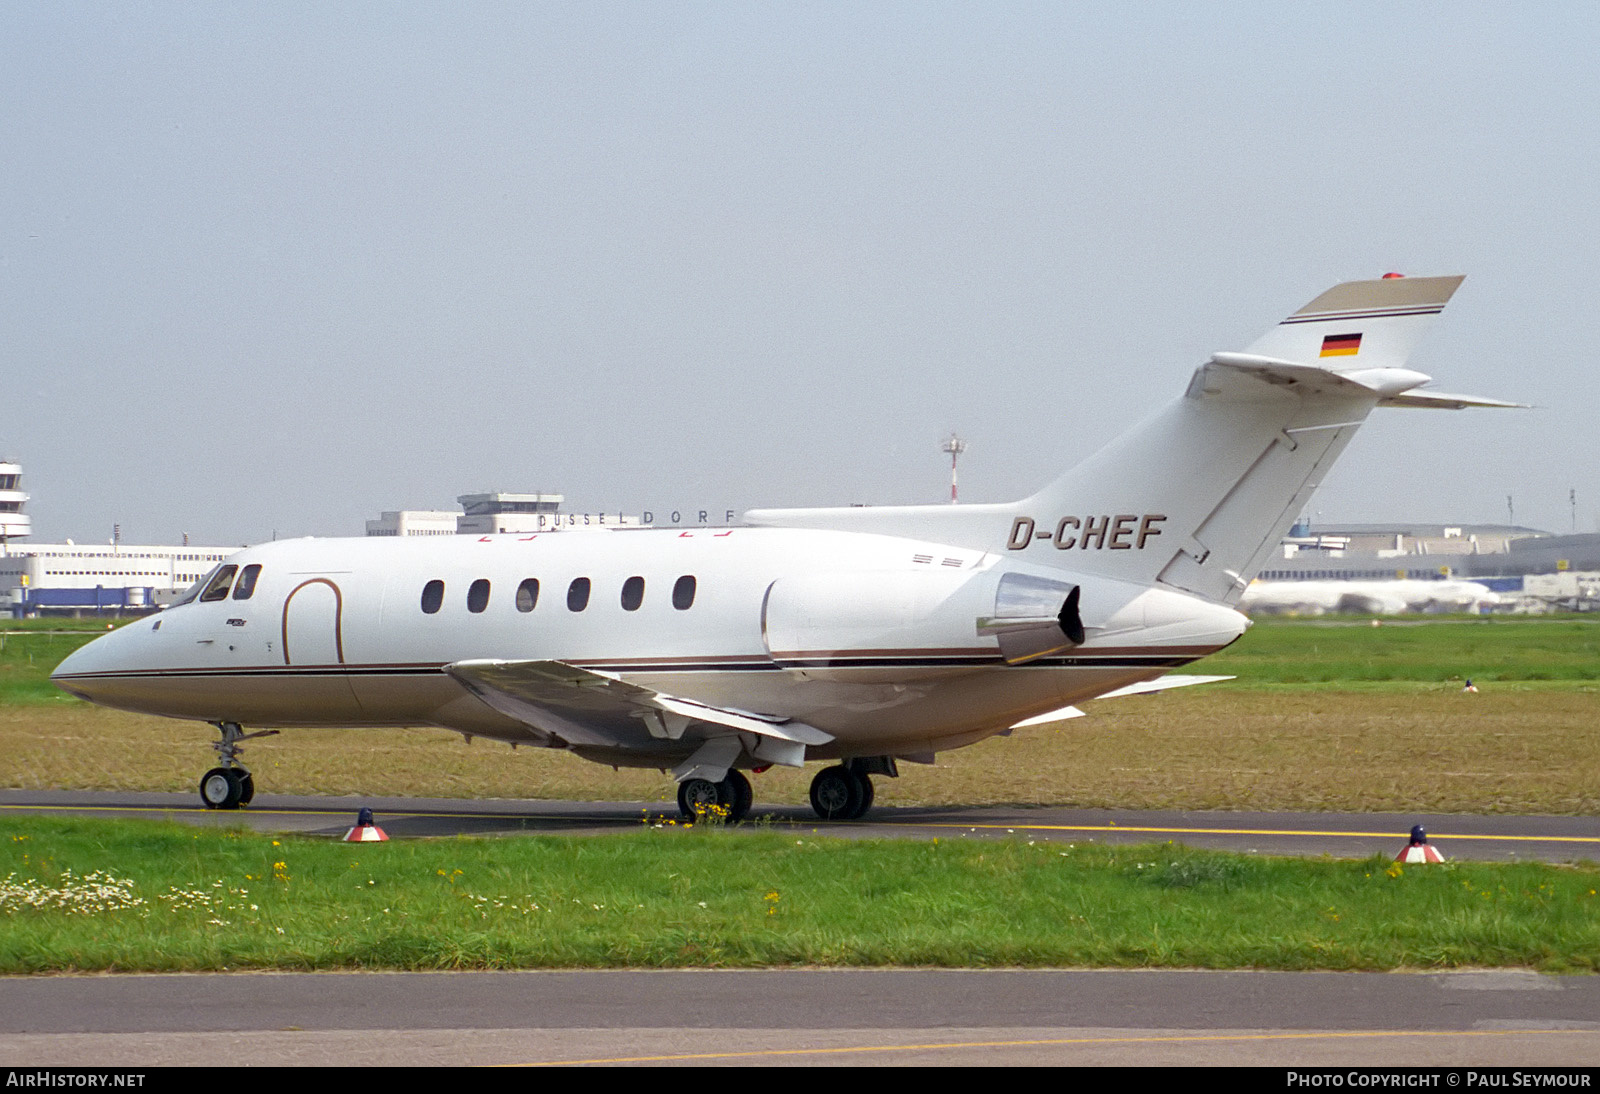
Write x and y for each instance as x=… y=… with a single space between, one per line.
x=1341 y=345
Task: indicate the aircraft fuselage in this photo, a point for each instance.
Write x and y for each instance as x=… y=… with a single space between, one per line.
x=872 y=639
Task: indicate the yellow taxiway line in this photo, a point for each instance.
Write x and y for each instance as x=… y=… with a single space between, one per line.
x=1230 y=831
x=950 y=1045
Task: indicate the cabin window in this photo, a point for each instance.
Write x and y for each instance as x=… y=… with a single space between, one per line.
x=478 y=595
x=632 y=594
x=683 y=593
x=217 y=587
x=578 y=594
x=528 y=594
x=247 y=582
x=432 y=596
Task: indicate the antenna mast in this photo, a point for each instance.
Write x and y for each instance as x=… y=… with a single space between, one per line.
x=955 y=446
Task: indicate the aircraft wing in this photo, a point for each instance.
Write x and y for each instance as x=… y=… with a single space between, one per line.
x=598 y=708
x=1143 y=687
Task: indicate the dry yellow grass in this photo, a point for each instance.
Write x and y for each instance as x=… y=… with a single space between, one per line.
x=1512 y=748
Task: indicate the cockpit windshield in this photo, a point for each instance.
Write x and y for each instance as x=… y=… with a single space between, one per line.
x=217 y=587
x=192 y=593
x=247 y=582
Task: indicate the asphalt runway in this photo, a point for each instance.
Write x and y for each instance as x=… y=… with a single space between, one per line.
x=805 y=1017
x=1345 y=835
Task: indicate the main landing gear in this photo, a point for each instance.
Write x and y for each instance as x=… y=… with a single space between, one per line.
x=844 y=791
x=230 y=786
x=838 y=793
x=697 y=796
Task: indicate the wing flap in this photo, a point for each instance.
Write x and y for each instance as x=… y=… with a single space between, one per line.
x=602 y=708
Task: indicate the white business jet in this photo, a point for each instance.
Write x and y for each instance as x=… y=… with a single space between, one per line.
x=865 y=636
x=1368 y=597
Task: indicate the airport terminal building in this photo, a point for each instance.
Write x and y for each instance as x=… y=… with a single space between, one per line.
x=496 y=513
x=1528 y=569
x=72 y=578
x=1422 y=550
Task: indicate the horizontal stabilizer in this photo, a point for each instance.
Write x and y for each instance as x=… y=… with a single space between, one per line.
x=1438 y=400
x=1393 y=386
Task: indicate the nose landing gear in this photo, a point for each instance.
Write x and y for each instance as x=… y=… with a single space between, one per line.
x=227 y=788
x=230 y=786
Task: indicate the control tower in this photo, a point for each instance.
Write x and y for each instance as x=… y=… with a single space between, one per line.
x=14 y=523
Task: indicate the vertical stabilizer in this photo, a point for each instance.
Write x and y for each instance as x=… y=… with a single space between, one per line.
x=1222 y=472
x=1197 y=495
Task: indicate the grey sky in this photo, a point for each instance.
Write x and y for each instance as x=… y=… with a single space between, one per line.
x=279 y=267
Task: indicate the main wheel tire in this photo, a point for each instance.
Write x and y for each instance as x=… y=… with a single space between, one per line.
x=738 y=794
x=836 y=793
x=220 y=788
x=695 y=796
x=247 y=787
x=867 y=794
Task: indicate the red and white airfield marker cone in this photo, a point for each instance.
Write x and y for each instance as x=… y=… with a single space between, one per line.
x=1419 y=850
x=365 y=831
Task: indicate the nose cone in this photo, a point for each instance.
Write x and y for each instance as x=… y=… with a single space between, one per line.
x=89 y=671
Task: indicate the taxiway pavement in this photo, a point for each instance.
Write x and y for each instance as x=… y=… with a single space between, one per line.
x=804 y=1016
x=1344 y=835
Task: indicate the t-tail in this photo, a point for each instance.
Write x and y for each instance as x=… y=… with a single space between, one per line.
x=1197 y=495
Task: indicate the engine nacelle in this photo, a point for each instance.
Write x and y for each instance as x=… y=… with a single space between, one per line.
x=877 y=617
x=935 y=618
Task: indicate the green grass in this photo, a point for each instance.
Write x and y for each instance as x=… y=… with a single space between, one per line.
x=1415 y=649
x=670 y=897
x=30 y=649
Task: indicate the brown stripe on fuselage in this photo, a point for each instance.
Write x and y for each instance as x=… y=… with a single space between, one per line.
x=642 y=664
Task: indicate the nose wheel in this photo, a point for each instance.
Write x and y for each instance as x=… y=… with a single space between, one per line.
x=230 y=786
x=227 y=788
